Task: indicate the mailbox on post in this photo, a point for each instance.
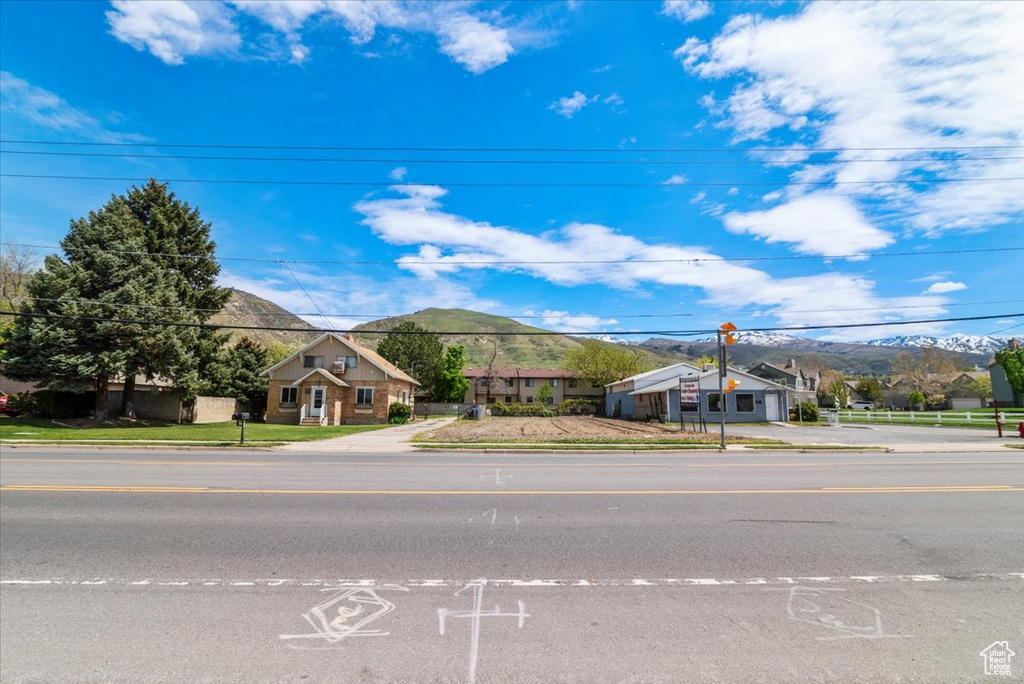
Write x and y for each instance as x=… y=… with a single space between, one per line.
x=240 y=419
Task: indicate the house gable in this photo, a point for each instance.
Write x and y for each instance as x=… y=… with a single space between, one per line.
x=332 y=349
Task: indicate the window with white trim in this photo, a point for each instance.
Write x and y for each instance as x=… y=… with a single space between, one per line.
x=364 y=397
x=745 y=403
x=312 y=362
x=529 y=382
x=289 y=397
x=554 y=382
x=713 y=402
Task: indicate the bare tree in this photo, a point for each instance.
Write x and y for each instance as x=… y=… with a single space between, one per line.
x=17 y=263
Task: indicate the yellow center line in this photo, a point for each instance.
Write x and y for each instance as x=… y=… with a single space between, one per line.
x=527 y=492
x=421 y=464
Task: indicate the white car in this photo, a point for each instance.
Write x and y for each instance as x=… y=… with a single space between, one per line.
x=866 y=405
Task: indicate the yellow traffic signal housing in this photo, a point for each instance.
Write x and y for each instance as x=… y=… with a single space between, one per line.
x=730 y=339
x=730 y=385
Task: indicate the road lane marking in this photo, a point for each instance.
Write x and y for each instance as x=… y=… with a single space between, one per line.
x=420 y=464
x=887 y=489
x=342 y=583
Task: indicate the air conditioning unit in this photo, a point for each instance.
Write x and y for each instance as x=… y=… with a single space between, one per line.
x=338 y=367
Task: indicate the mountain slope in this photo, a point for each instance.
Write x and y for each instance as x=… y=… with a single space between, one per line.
x=524 y=351
x=247 y=309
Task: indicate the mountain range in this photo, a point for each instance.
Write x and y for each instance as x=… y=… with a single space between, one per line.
x=511 y=343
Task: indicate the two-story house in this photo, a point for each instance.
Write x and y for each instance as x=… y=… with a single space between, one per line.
x=803 y=384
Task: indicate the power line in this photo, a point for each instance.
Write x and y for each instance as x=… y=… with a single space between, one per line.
x=375 y=317
x=358 y=148
x=542 y=162
x=528 y=333
x=305 y=292
x=495 y=262
x=513 y=184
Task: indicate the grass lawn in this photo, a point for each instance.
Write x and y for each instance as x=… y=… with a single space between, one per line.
x=32 y=429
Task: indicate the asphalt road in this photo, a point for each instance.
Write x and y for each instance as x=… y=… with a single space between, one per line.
x=121 y=566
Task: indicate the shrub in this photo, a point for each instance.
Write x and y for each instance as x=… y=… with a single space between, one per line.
x=521 y=410
x=805 y=411
x=577 y=406
x=398 y=413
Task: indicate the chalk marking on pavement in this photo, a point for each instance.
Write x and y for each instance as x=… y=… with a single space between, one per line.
x=861 y=621
x=434 y=583
x=476 y=614
x=154 y=489
x=362 y=603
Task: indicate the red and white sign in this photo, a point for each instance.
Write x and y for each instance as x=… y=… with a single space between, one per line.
x=689 y=392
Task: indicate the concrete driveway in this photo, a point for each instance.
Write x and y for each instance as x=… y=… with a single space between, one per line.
x=389 y=440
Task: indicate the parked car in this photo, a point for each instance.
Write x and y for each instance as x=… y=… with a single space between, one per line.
x=6 y=407
x=866 y=405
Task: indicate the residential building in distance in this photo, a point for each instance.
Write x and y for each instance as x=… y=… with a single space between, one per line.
x=803 y=384
x=520 y=385
x=335 y=381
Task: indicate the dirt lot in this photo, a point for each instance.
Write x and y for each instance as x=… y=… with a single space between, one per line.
x=562 y=429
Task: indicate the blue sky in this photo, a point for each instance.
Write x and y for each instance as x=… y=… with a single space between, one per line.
x=919 y=106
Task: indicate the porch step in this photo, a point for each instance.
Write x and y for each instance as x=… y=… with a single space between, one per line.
x=310 y=421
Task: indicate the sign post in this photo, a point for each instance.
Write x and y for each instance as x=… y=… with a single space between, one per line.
x=689 y=393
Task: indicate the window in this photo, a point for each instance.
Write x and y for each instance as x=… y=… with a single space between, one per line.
x=572 y=383
x=554 y=382
x=508 y=400
x=509 y=382
x=405 y=397
x=351 y=361
x=312 y=362
x=364 y=397
x=713 y=403
x=485 y=382
x=744 y=403
x=529 y=400
x=492 y=400
x=529 y=382
x=289 y=397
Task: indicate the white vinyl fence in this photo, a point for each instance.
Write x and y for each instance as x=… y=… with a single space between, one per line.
x=966 y=418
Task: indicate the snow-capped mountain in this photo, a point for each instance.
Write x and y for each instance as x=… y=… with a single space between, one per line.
x=614 y=340
x=971 y=344
x=764 y=339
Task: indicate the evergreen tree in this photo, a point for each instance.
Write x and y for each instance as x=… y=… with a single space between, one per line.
x=97 y=310
x=178 y=242
x=237 y=374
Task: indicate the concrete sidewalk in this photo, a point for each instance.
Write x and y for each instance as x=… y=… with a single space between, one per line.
x=392 y=440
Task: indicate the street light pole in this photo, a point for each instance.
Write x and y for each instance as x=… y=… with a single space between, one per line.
x=721 y=388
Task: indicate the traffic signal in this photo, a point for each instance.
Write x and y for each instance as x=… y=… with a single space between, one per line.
x=727 y=329
x=730 y=385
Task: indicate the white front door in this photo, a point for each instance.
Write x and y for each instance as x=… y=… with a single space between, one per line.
x=771 y=407
x=318 y=402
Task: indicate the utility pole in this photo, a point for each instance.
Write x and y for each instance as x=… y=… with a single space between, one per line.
x=725 y=338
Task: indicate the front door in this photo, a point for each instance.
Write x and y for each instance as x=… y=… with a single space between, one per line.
x=318 y=402
x=771 y=407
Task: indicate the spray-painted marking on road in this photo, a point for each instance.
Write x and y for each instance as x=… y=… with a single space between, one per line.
x=327 y=583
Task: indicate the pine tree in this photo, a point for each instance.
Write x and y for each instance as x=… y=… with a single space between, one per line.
x=237 y=374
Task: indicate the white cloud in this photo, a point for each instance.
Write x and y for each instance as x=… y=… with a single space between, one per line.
x=567 y=106
x=448 y=243
x=933 y=277
x=175 y=30
x=40 y=107
x=859 y=75
x=398 y=173
x=686 y=10
x=675 y=179
x=698 y=198
x=733 y=192
x=602 y=69
x=614 y=100
x=815 y=224
x=563 y=321
x=946 y=286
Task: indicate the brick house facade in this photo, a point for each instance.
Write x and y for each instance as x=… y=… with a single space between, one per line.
x=334 y=381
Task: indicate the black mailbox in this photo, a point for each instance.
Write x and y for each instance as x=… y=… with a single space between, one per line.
x=239 y=416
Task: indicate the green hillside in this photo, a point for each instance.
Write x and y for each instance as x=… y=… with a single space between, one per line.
x=509 y=350
x=247 y=310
